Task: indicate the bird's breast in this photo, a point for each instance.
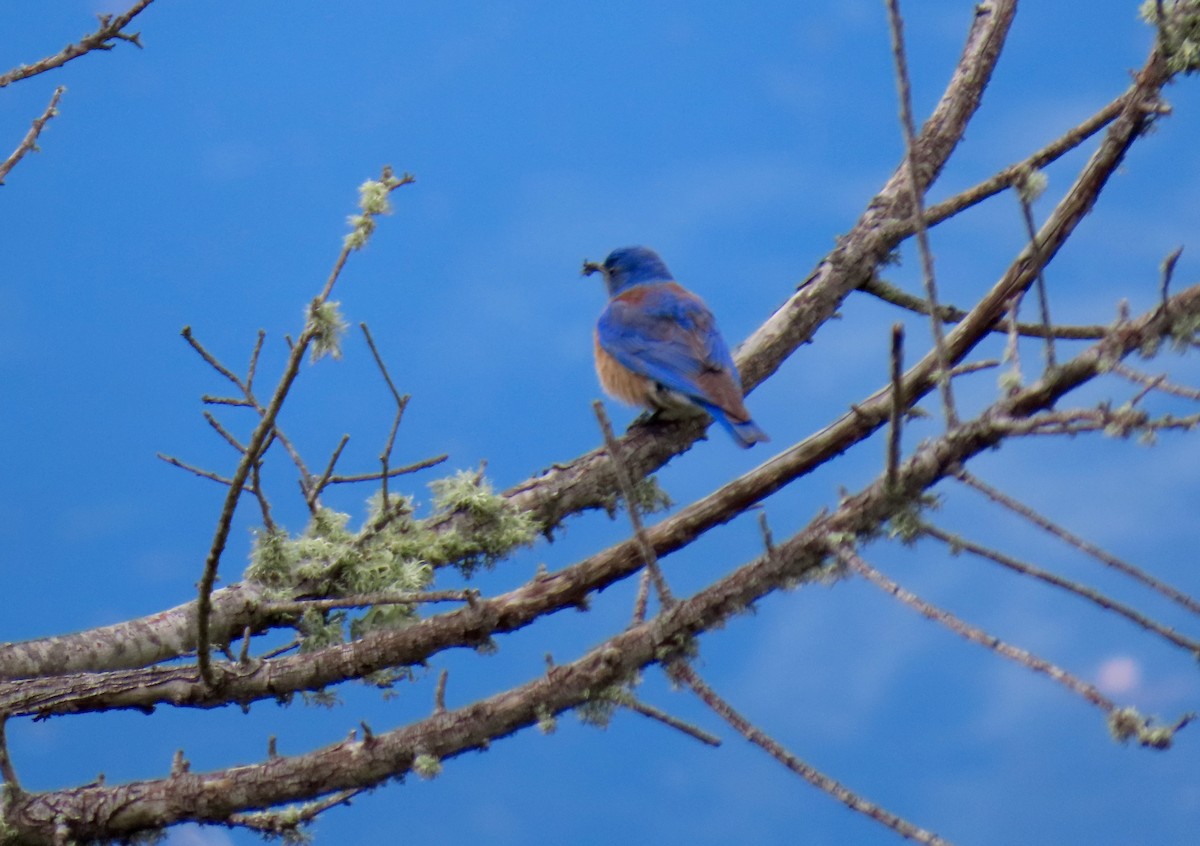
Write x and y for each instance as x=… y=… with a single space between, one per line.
x=619 y=381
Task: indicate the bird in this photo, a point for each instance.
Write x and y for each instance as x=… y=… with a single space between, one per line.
x=657 y=346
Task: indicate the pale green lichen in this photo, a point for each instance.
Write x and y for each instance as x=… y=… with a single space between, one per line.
x=490 y=526
x=427 y=766
x=393 y=553
x=373 y=198
x=597 y=711
x=326 y=326
x=1184 y=331
x=1127 y=724
x=372 y=202
x=648 y=496
x=907 y=525
x=1030 y=183
x=547 y=721
x=1009 y=381
x=1179 y=32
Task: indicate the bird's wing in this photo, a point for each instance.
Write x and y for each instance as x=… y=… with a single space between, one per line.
x=668 y=334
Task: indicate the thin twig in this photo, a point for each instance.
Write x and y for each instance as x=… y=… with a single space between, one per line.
x=423 y=464
x=110 y=28
x=974 y=366
x=248 y=400
x=223 y=432
x=976 y=635
x=385 y=456
x=29 y=142
x=290 y=821
x=7 y=771
x=642 y=598
x=897 y=413
x=305 y=477
x=957 y=542
x=400 y=400
x=439 y=692
x=686 y=675
x=252 y=368
x=1088 y=548
x=1146 y=389
x=392 y=182
x=1012 y=349
x=889 y=293
x=646 y=710
x=323 y=482
x=768 y=537
x=1113 y=422
x=244 y=656
x=917 y=195
x=264 y=505
x=1159 y=383
x=212 y=361
x=649 y=557
x=1168 y=270
x=1007 y=177
x=1026 y=190
x=253 y=452
x=209 y=399
x=205 y=474
x=280 y=650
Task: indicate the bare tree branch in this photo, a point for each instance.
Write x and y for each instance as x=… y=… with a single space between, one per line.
x=1158 y=383
x=385 y=456
x=813 y=776
x=258 y=439
x=29 y=142
x=862 y=513
x=896 y=418
x=976 y=635
x=204 y=474
x=625 y=485
x=1029 y=185
x=957 y=542
x=917 y=199
x=889 y=293
x=1084 y=546
x=111 y=29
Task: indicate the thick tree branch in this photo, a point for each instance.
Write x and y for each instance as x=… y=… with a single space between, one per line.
x=587 y=482
x=101 y=811
x=482 y=619
x=140 y=642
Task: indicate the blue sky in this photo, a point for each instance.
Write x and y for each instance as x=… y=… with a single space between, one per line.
x=205 y=181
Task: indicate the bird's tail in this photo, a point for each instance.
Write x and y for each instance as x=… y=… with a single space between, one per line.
x=745 y=432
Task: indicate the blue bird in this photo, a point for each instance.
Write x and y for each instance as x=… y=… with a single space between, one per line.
x=657 y=346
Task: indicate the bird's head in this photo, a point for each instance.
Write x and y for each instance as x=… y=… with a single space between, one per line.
x=629 y=266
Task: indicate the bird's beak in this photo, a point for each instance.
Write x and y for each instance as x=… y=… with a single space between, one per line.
x=590 y=267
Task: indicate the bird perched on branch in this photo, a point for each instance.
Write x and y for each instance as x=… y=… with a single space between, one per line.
x=657 y=345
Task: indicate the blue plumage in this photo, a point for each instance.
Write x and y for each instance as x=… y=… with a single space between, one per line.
x=657 y=345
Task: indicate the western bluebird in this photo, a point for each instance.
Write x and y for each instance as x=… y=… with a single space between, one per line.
x=657 y=345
